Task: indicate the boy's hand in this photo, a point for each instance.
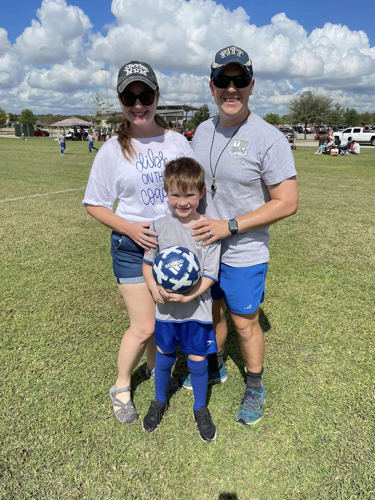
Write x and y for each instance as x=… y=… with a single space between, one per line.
x=158 y=294
x=178 y=297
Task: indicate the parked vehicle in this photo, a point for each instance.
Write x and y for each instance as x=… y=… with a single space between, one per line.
x=189 y=134
x=41 y=133
x=322 y=133
x=355 y=134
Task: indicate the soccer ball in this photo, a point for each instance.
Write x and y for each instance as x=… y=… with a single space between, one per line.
x=176 y=269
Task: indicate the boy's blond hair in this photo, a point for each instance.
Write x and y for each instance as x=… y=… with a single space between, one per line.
x=185 y=173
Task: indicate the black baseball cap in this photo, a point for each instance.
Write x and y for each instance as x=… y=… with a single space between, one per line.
x=136 y=71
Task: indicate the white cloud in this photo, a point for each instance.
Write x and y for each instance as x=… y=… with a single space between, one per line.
x=4 y=42
x=59 y=35
x=58 y=60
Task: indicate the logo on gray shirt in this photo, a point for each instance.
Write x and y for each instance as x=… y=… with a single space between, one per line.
x=239 y=148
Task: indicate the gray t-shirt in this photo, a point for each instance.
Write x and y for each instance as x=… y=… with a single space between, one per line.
x=257 y=156
x=172 y=232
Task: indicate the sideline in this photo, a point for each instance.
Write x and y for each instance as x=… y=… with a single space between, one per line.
x=39 y=195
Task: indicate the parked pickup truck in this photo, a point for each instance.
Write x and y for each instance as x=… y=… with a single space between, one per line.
x=355 y=134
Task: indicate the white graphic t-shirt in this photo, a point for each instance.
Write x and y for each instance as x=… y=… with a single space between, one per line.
x=136 y=185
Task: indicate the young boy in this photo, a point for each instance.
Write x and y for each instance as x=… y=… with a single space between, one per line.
x=184 y=319
x=90 y=138
x=61 y=141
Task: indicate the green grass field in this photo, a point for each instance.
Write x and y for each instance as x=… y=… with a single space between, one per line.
x=61 y=321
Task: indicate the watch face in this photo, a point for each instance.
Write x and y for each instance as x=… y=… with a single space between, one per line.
x=233 y=226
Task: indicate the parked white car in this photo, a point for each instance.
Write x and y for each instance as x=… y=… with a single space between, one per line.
x=355 y=134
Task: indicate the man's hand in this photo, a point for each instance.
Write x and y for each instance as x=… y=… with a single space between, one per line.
x=210 y=230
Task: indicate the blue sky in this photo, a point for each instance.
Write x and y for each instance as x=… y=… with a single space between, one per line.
x=310 y=14
x=52 y=51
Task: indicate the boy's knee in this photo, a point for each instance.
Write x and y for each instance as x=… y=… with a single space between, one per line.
x=197 y=367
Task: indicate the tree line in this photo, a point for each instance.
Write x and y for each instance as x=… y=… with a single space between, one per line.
x=311 y=108
x=307 y=109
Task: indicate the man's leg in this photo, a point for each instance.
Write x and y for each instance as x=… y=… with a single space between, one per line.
x=251 y=342
x=250 y=339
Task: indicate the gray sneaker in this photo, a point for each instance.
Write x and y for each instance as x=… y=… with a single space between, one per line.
x=124 y=412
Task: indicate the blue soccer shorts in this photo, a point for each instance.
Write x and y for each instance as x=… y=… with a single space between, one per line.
x=242 y=288
x=192 y=336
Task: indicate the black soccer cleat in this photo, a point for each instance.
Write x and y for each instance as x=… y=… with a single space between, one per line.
x=206 y=428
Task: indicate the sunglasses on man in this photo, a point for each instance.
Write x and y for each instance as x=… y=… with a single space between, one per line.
x=147 y=97
x=239 y=81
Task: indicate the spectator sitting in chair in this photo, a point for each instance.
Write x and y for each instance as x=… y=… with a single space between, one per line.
x=324 y=148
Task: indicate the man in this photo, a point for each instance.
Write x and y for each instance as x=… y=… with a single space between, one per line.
x=250 y=181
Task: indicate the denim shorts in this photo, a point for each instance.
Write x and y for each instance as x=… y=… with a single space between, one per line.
x=243 y=288
x=127 y=259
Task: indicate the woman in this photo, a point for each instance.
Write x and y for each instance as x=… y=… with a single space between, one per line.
x=129 y=169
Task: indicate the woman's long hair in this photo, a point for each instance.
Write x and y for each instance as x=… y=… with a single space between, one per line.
x=125 y=139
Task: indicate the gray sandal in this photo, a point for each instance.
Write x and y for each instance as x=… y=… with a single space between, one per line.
x=124 y=412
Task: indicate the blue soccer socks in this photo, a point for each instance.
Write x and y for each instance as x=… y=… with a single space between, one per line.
x=163 y=369
x=199 y=381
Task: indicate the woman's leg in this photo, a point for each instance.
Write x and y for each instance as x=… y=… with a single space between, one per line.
x=141 y=310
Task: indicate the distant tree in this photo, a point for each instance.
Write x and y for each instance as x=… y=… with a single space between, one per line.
x=366 y=118
x=310 y=108
x=3 y=117
x=351 y=117
x=100 y=108
x=13 y=118
x=272 y=118
x=286 y=120
x=335 y=116
x=27 y=116
x=199 y=116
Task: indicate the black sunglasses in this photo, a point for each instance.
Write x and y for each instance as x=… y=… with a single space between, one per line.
x=147 y=97
x=239 y=81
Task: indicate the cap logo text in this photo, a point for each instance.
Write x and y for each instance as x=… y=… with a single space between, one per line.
x=231 y=51
x=135 y=69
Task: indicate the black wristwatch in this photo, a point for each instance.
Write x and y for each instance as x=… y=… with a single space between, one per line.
x=233 y=226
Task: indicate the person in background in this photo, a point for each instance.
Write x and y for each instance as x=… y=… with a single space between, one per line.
x=128 y=171
x=61 y=141
x=354 y=148
x=90 y=138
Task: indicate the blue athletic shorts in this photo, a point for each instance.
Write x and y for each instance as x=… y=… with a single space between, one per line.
x=127 y=259
x=242 y=287
x=192 y=336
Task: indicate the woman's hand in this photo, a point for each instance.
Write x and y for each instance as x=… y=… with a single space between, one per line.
x=210 y=230
x=141 y=233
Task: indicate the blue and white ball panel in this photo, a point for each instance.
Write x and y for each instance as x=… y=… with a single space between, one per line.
x=193 y=337
x=176 y=269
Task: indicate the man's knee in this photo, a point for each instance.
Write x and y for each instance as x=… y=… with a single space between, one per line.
x=247 y=326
